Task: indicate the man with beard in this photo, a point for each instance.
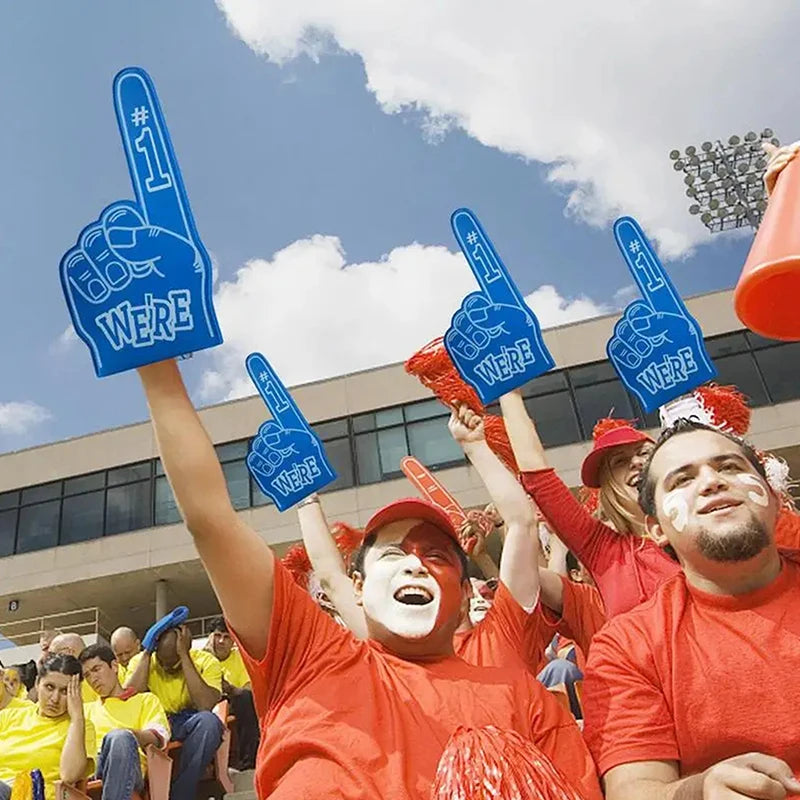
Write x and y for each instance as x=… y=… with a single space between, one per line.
x=693 y=695
x=344 y=718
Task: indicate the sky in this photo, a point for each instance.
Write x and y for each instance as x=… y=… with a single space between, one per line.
x=324 y=145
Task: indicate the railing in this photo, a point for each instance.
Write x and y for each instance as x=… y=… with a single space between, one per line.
x=83 y=621
x=201 y=626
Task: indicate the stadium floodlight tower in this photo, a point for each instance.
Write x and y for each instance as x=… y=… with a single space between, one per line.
x=725 y=182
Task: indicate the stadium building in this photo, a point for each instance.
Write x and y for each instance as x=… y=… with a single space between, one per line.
x=90 y=537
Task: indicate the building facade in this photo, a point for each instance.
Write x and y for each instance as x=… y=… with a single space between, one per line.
x=91 y=522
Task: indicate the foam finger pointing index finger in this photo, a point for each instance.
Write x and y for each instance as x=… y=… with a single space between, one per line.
x=273 y=393
x=646 y=268
x=483 y=259
x=151 y=160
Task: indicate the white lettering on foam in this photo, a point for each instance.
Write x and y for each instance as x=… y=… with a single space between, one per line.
x=511 y=360
x=671 y=370
x=297 y=476
x=156 y=320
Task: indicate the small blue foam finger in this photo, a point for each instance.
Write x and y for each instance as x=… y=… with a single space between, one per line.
x=151 y=160
x=273 y=393
x=175 y=618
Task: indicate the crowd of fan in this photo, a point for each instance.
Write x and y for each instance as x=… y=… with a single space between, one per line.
x=93 y=711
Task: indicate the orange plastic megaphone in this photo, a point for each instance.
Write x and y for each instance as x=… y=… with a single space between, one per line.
x=767 y=297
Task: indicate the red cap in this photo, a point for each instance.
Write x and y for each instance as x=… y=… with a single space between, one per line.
x=411 y=508
x=617 y=437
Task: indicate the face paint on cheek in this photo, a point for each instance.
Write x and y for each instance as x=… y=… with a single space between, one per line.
x=675 y=507
x=759 y=496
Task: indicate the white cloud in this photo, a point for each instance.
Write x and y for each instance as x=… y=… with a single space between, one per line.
x=19 y=418
x=65 y=342
x=601 y=91
x=316 y=316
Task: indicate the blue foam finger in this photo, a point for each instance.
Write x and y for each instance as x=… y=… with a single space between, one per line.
x=175 y=617
x=286 y=458
x=157 y=303
x=494 y=339
x=659 y=330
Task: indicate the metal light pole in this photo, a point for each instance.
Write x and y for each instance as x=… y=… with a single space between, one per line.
x=726 y=181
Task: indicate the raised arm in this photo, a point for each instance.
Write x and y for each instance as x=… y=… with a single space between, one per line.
x=238 y=562
x=518 y=569
x=328 y=564
x=204 y=697
x=74 y=759
x=522 y=434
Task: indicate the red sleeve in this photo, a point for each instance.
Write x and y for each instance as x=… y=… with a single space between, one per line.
x=579 y=530
x=626 y=715
x=583 y=613
x=525 y=632
x=554 y=732
x=300 y=634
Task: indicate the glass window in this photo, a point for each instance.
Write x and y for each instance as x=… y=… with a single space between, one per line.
x=555 y=419
x=128 y=508
x=378 y=454
x=378 y=419
x=129 y=473
x=425 y=410
x=159 y=467
x=544 y=384
x=166 y=508
x=338 y=452
x=36 y=494
x=725 y=345
x=238 y=479
x=592 y=373
x=82 y=517
x=757 y=341
x=740 y=370
x=85 y=483
x=9 y=500
x=432 y=444
x=38 y=527
x=232 y=450
x=331 y=430
x=8 y=530
x=259 y=498
x=779 y=368
x=602 y=400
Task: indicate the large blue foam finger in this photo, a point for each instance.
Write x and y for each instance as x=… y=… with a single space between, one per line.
x=460 y=347
x=78 y=274
x=115 y=271
x=175 y=618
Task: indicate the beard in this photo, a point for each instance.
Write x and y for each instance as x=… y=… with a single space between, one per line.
x=741 y=544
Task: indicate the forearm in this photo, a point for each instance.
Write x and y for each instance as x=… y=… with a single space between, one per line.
x=328 y=565
x=522 y=434
x=685 y=789
x=486 y=565
x=204 y=697
x=518 y=567
x=140 y=677
x=148 y=737
x=552 y=590
x=558 y=556
x=73 y=755
x=509 y=498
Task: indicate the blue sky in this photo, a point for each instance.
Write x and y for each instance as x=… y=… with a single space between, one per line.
x=270 y=155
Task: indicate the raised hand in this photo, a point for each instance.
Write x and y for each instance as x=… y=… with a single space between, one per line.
x=465 y=426
x=494 y=339
x=657 y=347
x=74 y=698
x=138 y=281
x=286 y=457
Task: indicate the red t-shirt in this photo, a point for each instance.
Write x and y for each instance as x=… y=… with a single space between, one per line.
x=698 y=678
x=627 y=569
x=343 y=718
x=582 y=616
x=507 y=635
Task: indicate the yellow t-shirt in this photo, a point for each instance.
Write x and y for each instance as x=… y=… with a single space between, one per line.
x=30 y=741
x=234 y=670
x=170 y=687
x=141 y=712
x=19 y=702
x=122 y=673
x=88 y=695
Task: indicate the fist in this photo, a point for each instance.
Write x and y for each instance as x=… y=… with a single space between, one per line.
x=465 y=425
x=779 y=158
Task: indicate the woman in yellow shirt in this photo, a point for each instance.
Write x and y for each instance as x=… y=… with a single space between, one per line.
x=51 y=736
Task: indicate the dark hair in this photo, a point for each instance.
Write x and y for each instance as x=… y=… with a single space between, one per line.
x=572 y=562
x=219 y=625
x=369 y=541
x=101 y=651
x=66 y=665
x=27 y=674
x=647 y=489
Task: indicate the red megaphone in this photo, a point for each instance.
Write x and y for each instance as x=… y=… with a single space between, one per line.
x=767 y=295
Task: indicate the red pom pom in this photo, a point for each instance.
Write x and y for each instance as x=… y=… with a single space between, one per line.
x=348 y=539
x=298 y=563
x=603 y=426
x=787 y=529
x=727 y=405
x=589 y=499
x=490 y=764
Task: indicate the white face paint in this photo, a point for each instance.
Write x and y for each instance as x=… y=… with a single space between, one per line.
x=674 y=505
x=759 y=495
x=478 y=605
x=391 y=572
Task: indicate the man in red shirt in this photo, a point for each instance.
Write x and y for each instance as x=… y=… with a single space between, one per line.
x=344 y=718
x=693 y=695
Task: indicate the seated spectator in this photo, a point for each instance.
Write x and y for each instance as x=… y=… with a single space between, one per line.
x=7 y=699
x=52 y=736
x=189 y=684
x=72 y=644
x=693 y=694
x=12 y=680
x=125 y=644
x=236 y=687
x=124 y=722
